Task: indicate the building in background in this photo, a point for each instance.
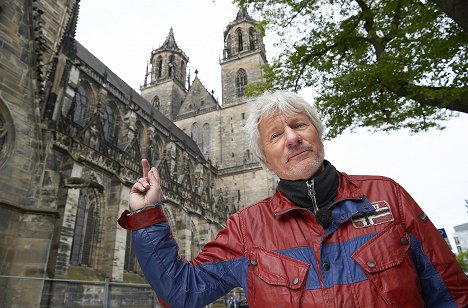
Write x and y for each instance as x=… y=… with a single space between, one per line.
x=72 y=134
x=461 y=237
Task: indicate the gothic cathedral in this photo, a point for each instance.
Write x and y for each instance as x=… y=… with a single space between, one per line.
x=72 y=134
x=216 y=128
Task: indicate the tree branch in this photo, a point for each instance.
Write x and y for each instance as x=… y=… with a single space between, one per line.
x=431 y=96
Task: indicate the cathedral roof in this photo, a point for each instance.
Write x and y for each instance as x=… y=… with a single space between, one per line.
x=197 y=101
x=118 y=86
x=242 y=14
x=170 y=42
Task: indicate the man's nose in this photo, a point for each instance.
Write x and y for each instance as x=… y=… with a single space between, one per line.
x=292 y=137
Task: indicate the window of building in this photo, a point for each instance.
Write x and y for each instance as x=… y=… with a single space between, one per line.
x=160 y=66
x=80 y=105
x=182 y=70
x=195 y=132
x=85 y=237
x=240 y=41
x=6 y=133
x=108 y=123
x=155 y=102
x=206 y=139
x=252 y=38
x=241 y=82
x=131 y=262
x=171 y=65
x=153 y=152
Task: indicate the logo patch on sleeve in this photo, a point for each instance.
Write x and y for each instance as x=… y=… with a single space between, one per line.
x=382 y=214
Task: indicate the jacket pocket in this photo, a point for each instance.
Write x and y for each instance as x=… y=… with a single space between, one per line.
x=387 y=263
x=385 y=250
x=275 y=279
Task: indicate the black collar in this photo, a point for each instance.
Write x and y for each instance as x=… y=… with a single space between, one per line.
x=325 y=183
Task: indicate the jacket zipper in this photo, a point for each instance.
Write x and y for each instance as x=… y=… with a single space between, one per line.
x=311 y=193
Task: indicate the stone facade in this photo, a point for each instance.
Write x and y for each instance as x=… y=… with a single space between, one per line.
x=72 y=135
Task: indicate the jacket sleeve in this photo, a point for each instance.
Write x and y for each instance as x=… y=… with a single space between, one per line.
x=220 y=266
x=443 y=282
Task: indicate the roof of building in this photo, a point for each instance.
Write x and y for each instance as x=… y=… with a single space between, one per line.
x=100 y=68
x=462 y=227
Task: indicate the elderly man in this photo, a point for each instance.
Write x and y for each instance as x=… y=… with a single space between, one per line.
x=324 y=239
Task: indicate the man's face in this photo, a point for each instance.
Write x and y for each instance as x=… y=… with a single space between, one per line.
x=292 y=147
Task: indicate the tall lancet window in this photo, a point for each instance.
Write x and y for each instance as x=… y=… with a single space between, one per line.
x=252 y=38
x=171 y=65
x=195 y=132
x=108 y=123
x=155 y=102
x=240 y=41
x=160 y=66
x=206 y=146
x=241 y=82
x=131 y=263
x=182 y=70
x=80 y=105
x=86 y=232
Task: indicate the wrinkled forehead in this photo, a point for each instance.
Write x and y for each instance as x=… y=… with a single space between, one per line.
x=278 y=114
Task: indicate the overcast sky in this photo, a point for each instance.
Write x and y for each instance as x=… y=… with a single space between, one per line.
x=432 y=166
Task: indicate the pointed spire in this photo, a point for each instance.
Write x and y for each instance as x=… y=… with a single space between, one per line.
x=170 y=42
x=242 y=14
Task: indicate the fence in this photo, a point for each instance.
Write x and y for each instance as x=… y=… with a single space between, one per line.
x=31 y=292
x=36 y=292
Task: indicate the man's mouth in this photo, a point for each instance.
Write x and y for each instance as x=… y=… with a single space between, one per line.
x=298 y=153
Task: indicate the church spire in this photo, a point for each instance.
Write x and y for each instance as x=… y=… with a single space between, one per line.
x=168 y=74
x=170 y=42
x=242 y=14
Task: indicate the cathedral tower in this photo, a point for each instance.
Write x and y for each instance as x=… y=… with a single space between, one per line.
x=243 y=58
x=165 y=88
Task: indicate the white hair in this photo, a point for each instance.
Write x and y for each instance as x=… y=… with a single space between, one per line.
x=267 y=105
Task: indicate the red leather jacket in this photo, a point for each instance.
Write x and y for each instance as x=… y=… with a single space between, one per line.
x=380 y=250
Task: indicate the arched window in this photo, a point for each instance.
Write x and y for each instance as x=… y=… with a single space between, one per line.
x=195 y=132
x=240 y=41
x=108 y=123
x=85 y=237
x=206 y=140
x=252 y=38
x=131 y=263
x=171 y=65
x=152 y=152
x=160 y=66
x=241 y=82
x=80 y=105
x=182 y=70
x=155 y=102
x=6 y=133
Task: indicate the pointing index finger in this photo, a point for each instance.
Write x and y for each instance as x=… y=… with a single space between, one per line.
x=146 y=167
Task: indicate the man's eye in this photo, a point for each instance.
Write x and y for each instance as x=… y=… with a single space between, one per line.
x=274 y=136
x=298 y=125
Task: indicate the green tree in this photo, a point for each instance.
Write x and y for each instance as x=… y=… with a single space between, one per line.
x=457 y=10
x=382 y=64
x=462 y=259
